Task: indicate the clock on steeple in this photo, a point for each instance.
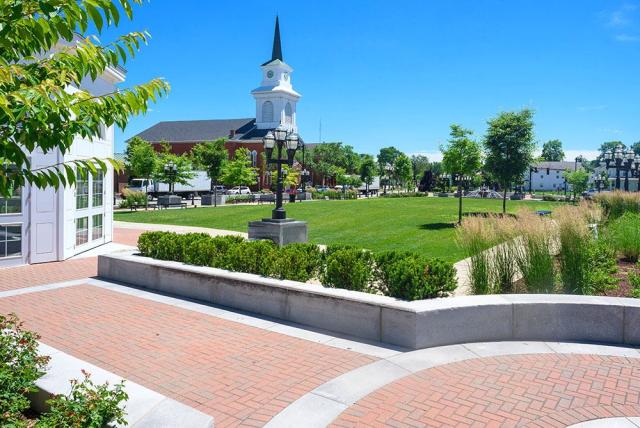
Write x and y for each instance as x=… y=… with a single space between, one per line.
x=275 y=98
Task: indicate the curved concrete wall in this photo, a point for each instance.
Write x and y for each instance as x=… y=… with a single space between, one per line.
x=415 y=325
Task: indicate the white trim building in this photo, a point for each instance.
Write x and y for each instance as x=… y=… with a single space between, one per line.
x=44 y=225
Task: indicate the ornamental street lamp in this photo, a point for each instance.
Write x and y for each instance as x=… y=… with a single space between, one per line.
x=532 y=169
x=619 y=160
x=170 y=171
x=280 y=138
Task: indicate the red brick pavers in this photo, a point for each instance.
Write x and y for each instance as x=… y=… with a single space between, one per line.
x=126 y=236
x=47 y=273
x=241 y=375
x=546 y=390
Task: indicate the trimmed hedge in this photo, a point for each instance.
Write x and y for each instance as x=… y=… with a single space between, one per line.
x=397 y=274
x=404 y=195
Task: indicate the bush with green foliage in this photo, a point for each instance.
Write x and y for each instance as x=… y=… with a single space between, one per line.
x=298 y=262
x=624 y=235
x=87 y=405
x=404 y=195
x=333 y=194
x=634 y=283
x=20 y=367
x=413 y=278
x=351 y=269
x=133 y=199
x=602 y=267
x=556 y=198
x=338 y=266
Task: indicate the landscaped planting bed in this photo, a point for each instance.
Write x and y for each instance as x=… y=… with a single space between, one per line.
x=591 y=248
x=402 y=275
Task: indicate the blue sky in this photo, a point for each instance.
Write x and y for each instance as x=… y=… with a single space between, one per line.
x=379 y=73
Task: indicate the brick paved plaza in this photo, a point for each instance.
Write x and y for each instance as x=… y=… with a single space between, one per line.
x=250 y=371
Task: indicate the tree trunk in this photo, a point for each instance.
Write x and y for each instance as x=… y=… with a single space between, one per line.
x=214 y=183
x=504 y=200
x=146 y=194
x=459 y=204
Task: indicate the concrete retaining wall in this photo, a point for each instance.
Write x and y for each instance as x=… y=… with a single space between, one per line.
x=415 y=325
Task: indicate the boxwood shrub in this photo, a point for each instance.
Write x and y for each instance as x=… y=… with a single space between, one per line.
x=349 y=268
x=403 y=275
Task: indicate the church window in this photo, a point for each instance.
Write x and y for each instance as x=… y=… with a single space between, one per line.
x=288 y=113
x=254 y=158
x=267 y=111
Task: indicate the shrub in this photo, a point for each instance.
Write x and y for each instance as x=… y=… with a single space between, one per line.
x=87 y=405
x=251 y=257
x=351 y=269
x=148 y=243
x=404 y=195
x=383 y=262
x=210 y=251
x=634 y=283
x=616 y=203
x=602 y=267
x=20 y=367
x=624 y=235
x=131 y=198
x=333 y=194
x=556 y=198
x=298 y=262
x=413 y=278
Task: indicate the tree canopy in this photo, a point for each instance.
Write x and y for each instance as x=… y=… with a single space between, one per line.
x=387 y=156
x=509 y=147
x=140 y=158
x=402 y=169
x=552 y=151
x=608 y=146
x=37 y=109
x=211 y=156
x=419 y=164
x=368 y=169
x=461 y=157
x=184 y=166
x=238 y=171
x=578 y=179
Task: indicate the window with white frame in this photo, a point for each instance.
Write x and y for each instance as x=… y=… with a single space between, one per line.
x=12 y=204
x=10 y=240
x=82 y=230
x=82 y=191
x=96 y=227
x=97 y=188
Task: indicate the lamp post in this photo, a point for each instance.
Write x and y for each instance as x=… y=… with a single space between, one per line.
x=532 y=169
x=621 y=161
x=280 y=139
x=171 y=170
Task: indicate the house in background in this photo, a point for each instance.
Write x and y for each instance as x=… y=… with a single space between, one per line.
x=276 y=103
x=44 y=225
x=548 y=176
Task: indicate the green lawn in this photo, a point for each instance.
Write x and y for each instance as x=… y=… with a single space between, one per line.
x=423 y=225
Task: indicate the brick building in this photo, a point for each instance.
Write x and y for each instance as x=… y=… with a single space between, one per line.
x=276 y=102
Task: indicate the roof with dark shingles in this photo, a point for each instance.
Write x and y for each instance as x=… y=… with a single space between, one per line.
x=196 y=130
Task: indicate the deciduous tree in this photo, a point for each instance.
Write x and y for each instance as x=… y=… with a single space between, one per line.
x=368 y=169
x=238 y=171
x=461 y=157
x=41 y=56
x=141 y=160
x=211 y=156
x=552 y=151
x=509 y=147
x=402 y=170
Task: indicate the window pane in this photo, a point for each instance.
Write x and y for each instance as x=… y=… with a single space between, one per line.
x=82 y=230
x=82 y=194
x=13 y=204
x=10 y=241
x=98 y=189
x=96 y=232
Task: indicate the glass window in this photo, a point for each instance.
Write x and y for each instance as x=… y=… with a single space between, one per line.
x=96 y=228
x=82 y=192
x=82 y=230
x=10 y=240
x=97 y=189
x=12 y=204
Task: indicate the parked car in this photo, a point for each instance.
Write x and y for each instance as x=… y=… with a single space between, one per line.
x=239 y=190
x=219 y=189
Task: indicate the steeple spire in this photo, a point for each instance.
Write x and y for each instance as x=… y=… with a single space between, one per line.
x=277 y=47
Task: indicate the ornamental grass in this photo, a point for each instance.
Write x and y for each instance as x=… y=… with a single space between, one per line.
x=616 y=203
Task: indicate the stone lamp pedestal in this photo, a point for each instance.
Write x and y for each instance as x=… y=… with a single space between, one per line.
x=281 y=232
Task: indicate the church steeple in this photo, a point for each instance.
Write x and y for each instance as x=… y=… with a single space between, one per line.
x=276 y=53
x=275 y=97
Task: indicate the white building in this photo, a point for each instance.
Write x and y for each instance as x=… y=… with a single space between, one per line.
x=47 y=225
x=548 y=176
